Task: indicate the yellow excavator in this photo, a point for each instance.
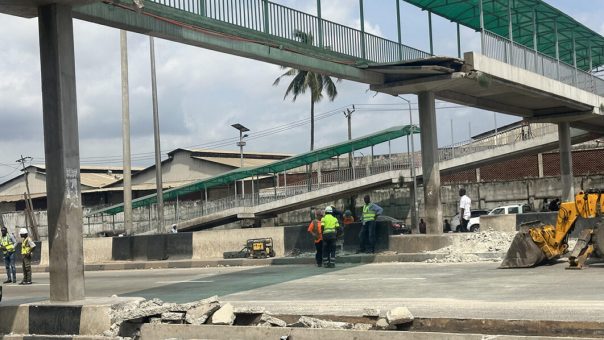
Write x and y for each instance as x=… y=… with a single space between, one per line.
x=537 y=243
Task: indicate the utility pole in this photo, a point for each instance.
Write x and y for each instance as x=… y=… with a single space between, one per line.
x=28 y=203
x=348 y=114
x=158 y=176
x=127 y=171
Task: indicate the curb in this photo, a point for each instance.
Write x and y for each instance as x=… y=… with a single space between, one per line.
x=277 y=261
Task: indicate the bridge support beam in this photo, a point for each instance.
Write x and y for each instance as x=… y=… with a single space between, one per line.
x=61 y=145
x=431 y=172
x=566 y=163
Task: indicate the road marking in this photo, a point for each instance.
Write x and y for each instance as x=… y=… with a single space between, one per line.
x=384 y=278
x=193 y=281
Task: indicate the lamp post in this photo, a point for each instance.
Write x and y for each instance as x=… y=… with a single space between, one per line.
x=414 y=211
x=241 y=144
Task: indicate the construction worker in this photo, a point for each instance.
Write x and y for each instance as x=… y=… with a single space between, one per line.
x=331 y=228
x=27 y=248
x=367 y=234
x=348 y=218
x=7 y=244
x=314 y=228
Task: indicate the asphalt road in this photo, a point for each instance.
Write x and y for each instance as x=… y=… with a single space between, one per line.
x=477 y=290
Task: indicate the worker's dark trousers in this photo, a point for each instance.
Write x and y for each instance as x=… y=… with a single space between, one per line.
x=329 y=248
x=9 y=264
x=367 y=237
x=27 y=268
x=319 y=253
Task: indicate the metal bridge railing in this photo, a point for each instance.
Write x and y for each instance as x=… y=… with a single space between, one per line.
x=502 y=49
x=281 y=21
x=502 y=138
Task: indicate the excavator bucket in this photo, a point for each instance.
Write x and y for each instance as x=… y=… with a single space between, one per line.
x=523 y=252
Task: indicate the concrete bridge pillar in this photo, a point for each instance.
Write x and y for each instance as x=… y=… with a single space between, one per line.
x=566 y=163
x=61 y=145
x=430 y=168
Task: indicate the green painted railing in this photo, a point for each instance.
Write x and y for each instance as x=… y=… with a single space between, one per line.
x=281 y=21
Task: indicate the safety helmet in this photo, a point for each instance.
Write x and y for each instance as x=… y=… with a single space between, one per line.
x=23 y=231
x=347 y=213
x=328 y=209
x=3 y=229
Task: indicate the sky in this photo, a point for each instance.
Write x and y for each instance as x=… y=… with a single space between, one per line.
x=202 y=92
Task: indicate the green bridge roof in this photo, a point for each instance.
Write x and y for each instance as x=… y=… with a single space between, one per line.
x=496 y=20
x=274 y=167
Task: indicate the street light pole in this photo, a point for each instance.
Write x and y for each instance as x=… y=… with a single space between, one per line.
x=158 y=173
x=241 y=144
x=414 y=211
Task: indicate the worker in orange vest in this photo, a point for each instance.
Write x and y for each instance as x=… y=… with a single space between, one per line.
x=315 y=229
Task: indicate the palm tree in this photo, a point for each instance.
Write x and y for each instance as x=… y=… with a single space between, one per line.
x=307 y=80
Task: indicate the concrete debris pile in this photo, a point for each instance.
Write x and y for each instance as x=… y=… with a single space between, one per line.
x=128 y=318
x=473 y=247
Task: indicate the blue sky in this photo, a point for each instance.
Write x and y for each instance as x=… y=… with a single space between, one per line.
x=201 y=92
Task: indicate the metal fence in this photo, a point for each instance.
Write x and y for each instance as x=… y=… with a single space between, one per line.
x=281 y=21
x=502 y=49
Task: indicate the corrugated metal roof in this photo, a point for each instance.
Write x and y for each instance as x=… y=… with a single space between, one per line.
x=236 y=162
x=97 y=180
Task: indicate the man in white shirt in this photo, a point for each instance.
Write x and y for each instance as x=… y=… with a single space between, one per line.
x=464 y=211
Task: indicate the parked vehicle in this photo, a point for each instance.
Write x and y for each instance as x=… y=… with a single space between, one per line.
x=518 y=208
x=398 y=226
x=473 y=224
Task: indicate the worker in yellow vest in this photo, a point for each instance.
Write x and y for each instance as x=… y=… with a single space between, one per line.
x=7 y=245
x=367 y=235
x=27 y=248
x=331 y=228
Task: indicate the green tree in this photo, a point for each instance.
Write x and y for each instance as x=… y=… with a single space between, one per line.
x=304 y=81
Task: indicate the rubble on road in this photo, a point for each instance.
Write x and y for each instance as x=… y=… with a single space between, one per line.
x=129 y=317
x=468 y=247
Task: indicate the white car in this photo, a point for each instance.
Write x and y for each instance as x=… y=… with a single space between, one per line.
x=518 y=208
x=473 y=223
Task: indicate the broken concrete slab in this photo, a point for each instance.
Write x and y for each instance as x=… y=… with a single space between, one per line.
x=371 y=312
x=382 y=324
x=399 y=315
x=200 y=314
x=309 y=322
x=268 y=320
x=172 y=316
x=185 y=307
x=362 y=326
x=249 y=310
x=224 y=316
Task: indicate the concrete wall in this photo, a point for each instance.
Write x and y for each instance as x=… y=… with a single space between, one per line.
x=95 y=250
x=506 y=223
x=212 y=243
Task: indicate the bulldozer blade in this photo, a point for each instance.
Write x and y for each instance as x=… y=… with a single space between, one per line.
x=523 y=253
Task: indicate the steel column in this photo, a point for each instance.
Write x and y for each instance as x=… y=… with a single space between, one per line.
x=398 y=26
x=320 y=23
x=458 y=43
x=535 y=41
x=510 y=33
x=265 y=16
x=157 y=143
x=361 y=10
x=557 y=49
x=430 y=31
x=575 y=80
x=482 y=38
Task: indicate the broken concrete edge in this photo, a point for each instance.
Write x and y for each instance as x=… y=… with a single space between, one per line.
x=91 y=316
x=349 y=259
x=156 y=332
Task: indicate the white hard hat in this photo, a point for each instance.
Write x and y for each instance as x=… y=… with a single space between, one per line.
x=23 y=231
x=328 y=209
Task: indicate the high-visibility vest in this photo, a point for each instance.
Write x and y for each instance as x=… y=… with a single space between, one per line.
x=8 y=244
x=368 y=213
x=329 y=224
x=25 y=248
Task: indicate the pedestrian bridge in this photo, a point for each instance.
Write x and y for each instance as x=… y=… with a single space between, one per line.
x=328 y=183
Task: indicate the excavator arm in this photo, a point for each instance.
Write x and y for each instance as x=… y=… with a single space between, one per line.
x=536 y=244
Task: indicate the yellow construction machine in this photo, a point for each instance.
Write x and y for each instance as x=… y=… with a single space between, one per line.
x=537 y=243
